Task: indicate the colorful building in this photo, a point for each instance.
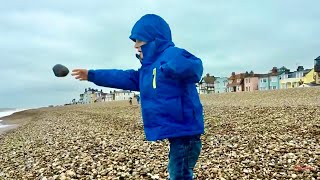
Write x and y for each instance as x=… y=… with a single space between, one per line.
x=274 y=77
x=251 y=81
x=263 y=83
x=236 y=82
x=274 y=81
x=271 y=80
x=294 y=79
x=308 y=77
x=220 y=84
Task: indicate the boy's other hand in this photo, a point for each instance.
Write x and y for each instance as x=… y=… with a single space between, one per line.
x=81 y=74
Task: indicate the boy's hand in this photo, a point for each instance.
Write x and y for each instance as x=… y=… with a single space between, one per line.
x=81 y=74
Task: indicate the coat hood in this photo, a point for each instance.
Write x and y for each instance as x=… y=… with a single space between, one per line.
x=156 y=32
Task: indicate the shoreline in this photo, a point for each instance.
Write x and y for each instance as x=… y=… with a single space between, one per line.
x=14 y=121
x=4 y=130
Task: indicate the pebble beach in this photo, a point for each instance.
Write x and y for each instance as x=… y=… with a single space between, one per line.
x=248 y=135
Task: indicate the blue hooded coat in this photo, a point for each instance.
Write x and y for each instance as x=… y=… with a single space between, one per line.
x=170 y=102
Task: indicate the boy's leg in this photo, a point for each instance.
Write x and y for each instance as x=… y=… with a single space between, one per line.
x=183 y=156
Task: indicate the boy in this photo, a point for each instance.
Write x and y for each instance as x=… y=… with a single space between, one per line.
x=170 y=104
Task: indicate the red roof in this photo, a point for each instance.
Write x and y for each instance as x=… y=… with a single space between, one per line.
x=237 y=76
x=234 y=84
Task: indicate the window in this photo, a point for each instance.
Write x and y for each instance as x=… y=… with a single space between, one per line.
x=264 y=80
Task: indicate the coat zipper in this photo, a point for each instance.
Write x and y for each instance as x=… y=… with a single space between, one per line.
x=154 y=83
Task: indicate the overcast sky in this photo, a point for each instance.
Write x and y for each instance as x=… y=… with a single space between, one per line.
x=227 y=35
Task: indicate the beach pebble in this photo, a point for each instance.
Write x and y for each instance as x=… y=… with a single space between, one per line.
x=60 y=70
x=256 y=135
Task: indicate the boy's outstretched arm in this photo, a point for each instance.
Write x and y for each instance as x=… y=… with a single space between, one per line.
x=113 y=78
x=184 y=66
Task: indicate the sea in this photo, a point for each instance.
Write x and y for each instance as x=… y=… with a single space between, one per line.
x=7 y=112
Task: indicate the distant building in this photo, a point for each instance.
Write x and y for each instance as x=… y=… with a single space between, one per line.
x=220 y=84
x=105 y=97
x=264 y=82
x=271 y=81
x=123 y=95
x=294 y=79
x=90 y=96
x=274 y=79
x=308 y=77
x=206 y=84
x=81 y=100
x=317 y=70
x=251 y=81
x=93 y=96
x=236 y=82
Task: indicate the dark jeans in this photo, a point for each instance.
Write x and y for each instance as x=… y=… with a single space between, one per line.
x=183 y=156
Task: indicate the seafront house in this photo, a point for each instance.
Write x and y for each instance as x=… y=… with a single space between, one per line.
x=271 y=81
x=123 y=95
x=236 y=82
x=206 y=84
x=90 y=96
x=105 y=97
x=312 y=77
x=220 y=84
x=283 y=75
x=263 y=83
x=81 y=99
x=295 y=79
x=274 y=78
x=308 y=79
x=251 y=81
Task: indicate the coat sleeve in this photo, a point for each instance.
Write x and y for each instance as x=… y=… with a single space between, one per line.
x=115 y=78
x=184 y=66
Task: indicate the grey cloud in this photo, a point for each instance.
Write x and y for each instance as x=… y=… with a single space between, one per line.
x=227 y=36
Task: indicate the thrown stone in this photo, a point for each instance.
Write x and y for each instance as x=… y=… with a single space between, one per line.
x=60 y=70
